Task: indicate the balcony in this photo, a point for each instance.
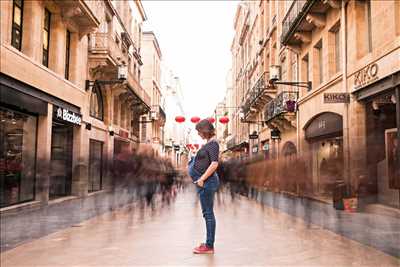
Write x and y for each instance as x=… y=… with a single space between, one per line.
x=257 y=97
x=159 y=114
x=302 y=17
x=84 y=13
x=105 y=50
x=281 y=110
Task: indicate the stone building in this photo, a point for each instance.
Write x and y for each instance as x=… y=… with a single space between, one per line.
x=334 y=99
x=153 y=131
x=70 y=96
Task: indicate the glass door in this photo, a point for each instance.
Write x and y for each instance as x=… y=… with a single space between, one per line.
x=61 y=160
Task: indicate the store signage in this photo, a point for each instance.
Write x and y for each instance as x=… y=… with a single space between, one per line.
x=366 y=76
x=67 y=115
x=253 y=136
x=275 y=134
x=336 y=98
x=255 y=149
x=176 y=147
x=325 y=124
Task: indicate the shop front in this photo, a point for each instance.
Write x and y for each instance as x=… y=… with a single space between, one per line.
x=382 y=182
x=19 y=114
x=62 y=134
x=324 y=133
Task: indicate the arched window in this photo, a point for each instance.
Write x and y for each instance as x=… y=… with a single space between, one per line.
x=96 y=103
x=289 y=149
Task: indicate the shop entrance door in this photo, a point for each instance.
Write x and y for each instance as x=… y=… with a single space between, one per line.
x=328 y=165
x=61 y=160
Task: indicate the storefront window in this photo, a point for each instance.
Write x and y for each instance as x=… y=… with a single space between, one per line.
x=95 y=165
x=17 y=157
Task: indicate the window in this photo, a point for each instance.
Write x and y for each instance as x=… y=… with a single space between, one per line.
x=18 y=135
x=122 y=122
x=95 y=166
x=338 y=63
x=368 y=22
x=284 y=69
x=67 y=54
x=16 y=31
x=96 y=103
x=115 y=110
x=319 y=61
x=306 y=69
x=46 y=37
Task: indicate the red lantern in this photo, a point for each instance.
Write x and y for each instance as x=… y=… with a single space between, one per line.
x=211 y=119
x=179 y=119
x=195 y=119
x=224 y=120
x=189 y=146
x=196 y=146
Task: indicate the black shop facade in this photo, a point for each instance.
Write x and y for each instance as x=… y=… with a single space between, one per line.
x=30 y=170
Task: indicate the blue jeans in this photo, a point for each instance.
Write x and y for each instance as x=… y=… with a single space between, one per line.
x=206 y=195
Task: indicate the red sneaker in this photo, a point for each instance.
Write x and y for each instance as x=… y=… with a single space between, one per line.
x=203 y=249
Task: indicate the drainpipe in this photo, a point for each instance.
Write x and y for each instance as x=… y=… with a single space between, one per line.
x=346 y=130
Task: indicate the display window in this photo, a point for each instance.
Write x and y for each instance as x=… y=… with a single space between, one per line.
x=95 y=166
x=18 y=136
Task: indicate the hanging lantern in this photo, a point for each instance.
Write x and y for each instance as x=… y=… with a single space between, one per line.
x=224 y=120
x=179 y=119
x=195 y=119
x=189 y=146
x=196 y=146
x=211 y=119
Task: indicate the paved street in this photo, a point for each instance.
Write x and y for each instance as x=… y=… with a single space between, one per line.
x=247 y=234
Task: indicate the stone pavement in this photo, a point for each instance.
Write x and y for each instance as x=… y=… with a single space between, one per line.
x=248 y=234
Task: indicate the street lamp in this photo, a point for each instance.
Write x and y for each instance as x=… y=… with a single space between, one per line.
x=275 y=76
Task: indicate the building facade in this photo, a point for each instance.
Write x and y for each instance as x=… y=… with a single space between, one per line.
x=176 y=135
x=327 y=90
x=153 y=131
x=71 y=98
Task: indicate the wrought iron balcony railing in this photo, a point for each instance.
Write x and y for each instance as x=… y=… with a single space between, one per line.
x=255 y=95
x=285 y=102
x=295 y=14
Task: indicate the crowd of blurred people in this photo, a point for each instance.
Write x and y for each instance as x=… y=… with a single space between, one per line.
x=145 y=175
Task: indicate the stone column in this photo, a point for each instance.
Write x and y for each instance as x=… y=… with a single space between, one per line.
x=75 y=67
x=80 y=162
x=43 y=156
x=57 y=45
x=357 y=143
x=6 y=21
x=33 y=16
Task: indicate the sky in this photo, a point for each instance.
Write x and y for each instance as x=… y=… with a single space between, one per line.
x=195 y=39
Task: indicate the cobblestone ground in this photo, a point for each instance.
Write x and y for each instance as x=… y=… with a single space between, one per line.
x=248 y=234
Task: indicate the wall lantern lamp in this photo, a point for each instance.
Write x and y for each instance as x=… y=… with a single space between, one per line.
x=275 y=76
x=122 y=75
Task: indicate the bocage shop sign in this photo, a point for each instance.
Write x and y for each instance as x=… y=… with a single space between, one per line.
x=67 y=115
